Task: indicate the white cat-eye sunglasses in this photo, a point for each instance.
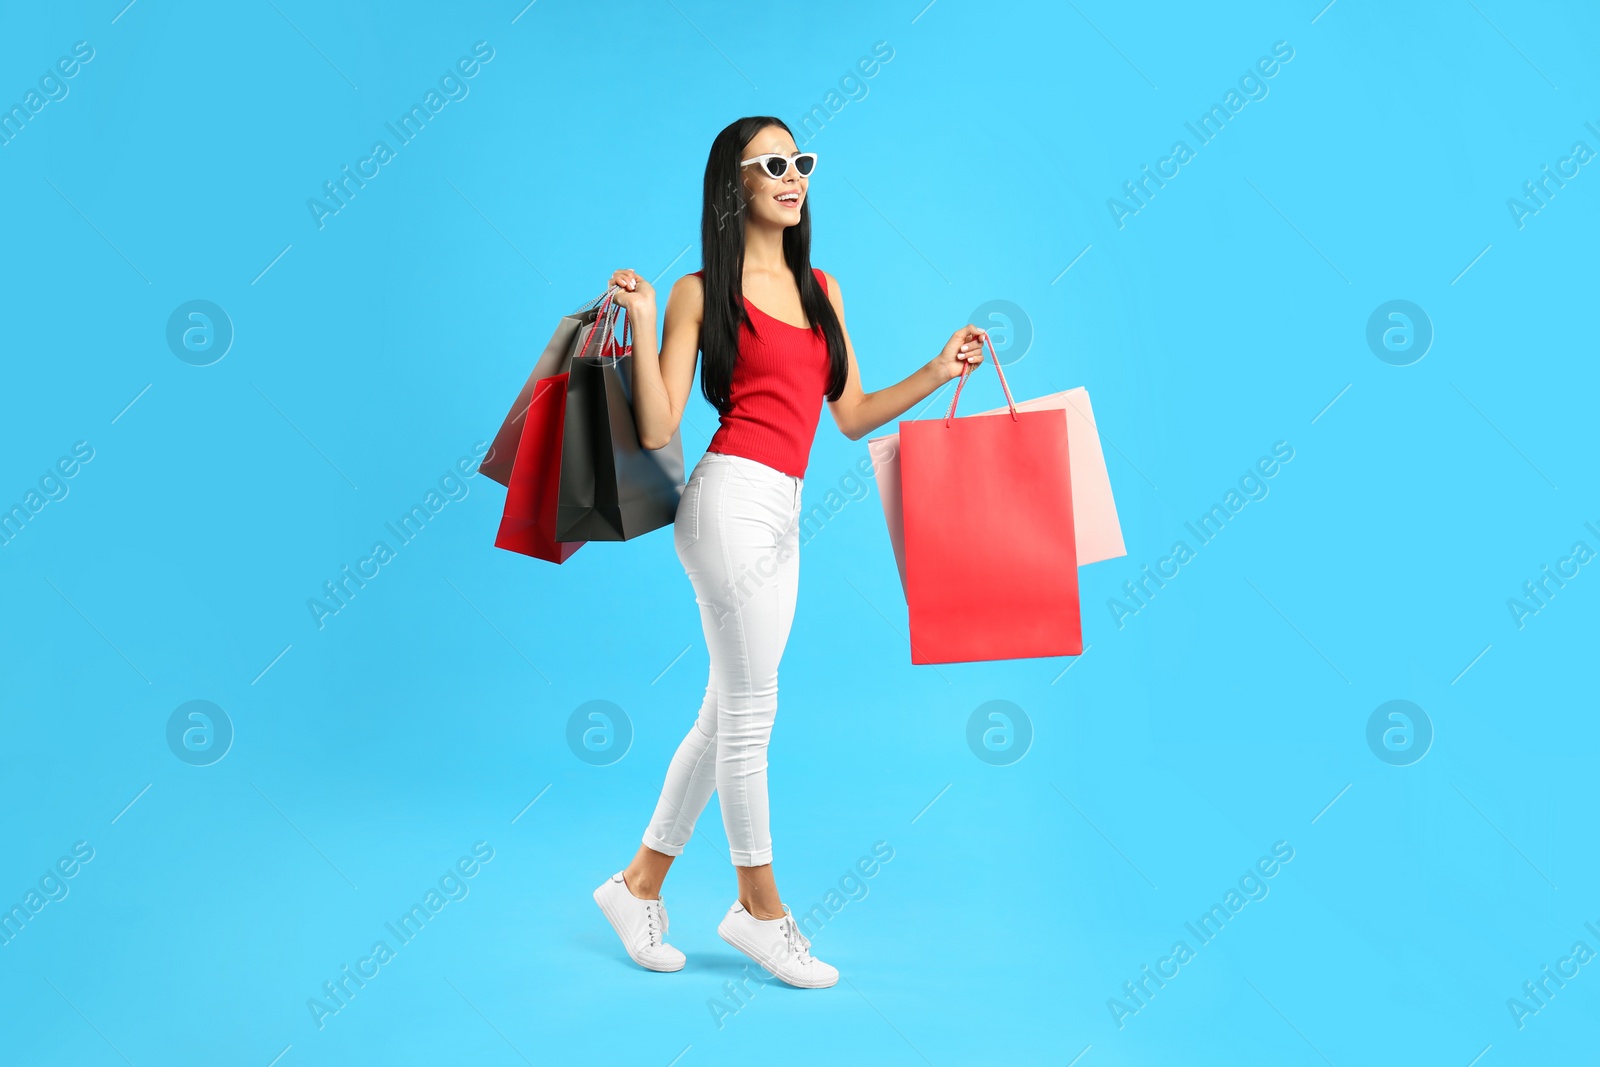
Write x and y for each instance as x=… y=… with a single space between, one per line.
x=776 y=164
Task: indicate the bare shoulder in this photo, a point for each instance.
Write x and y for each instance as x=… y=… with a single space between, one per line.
x=834 y=293
x=688 y=295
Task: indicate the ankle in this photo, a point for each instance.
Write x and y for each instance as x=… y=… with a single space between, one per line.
x=762 y=913
x=641 y=886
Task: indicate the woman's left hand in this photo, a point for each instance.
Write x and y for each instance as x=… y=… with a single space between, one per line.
x=632 y=291
x=963 y=350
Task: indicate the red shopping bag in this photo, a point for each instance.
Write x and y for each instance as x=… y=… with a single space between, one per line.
x=528 y=524
x=991 y=564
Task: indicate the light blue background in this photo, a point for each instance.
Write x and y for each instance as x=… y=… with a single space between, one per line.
x=1225 y=716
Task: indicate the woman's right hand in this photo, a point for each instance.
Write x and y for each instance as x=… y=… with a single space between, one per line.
x=635 y=293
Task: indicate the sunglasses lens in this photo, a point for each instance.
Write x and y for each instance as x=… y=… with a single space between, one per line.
x=776 y=165
x=804 y=163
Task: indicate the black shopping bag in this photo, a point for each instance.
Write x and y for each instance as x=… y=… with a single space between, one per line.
x=612 y=488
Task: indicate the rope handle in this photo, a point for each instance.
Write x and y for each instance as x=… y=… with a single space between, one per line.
x=605 y=323
x=610 y=335
x=967 y=369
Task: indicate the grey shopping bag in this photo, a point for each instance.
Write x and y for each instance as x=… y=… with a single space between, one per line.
x=612 y=488
x=571 y=332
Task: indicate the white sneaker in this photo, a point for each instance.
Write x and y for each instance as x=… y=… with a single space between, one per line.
x=642 y=925
x=778 y=945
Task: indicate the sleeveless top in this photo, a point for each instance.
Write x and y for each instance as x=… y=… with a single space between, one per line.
x=779 y=378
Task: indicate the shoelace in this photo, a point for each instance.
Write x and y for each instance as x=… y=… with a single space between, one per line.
x=799 y=947
x=655 y=913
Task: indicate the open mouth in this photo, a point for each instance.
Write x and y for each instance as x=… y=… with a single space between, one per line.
x=788 y=199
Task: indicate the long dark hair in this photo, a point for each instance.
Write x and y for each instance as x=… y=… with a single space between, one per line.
x=722 y=260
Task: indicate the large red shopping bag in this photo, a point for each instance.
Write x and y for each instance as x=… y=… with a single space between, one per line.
x=528 y=524
x=1096 y=530
x=991 y=562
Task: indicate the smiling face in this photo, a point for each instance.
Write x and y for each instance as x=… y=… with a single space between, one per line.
x=773 y=201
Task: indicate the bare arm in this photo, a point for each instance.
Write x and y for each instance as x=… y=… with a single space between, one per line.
x=858 y=413
x=663 y=374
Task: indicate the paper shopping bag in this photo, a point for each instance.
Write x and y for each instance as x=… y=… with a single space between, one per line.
x=991 y=565
x=528 y=523
x=1096 y=529
x=563 y=344
x=612 y=488
x=572 y=334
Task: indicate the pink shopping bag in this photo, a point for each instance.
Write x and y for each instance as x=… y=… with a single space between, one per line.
x=1096 y=530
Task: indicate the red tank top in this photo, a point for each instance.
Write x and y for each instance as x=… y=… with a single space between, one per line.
x=779 y=378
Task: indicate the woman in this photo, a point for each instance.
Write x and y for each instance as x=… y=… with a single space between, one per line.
x=772 y=332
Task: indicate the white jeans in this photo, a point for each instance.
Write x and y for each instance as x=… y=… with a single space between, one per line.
x=737 y=534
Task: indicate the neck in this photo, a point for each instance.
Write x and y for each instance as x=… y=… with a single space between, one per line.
x=763 y=248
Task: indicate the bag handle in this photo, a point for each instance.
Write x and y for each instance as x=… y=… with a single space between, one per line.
x=967 y=369
x=626 y=348
x=605 y=320
x=595 y=301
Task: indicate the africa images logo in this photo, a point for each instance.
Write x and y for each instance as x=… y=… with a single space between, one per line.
x=1206 y=128
x=337 y=194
